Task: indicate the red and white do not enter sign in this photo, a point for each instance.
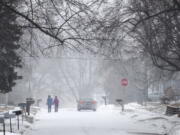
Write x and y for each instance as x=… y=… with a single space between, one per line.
x=124 y=82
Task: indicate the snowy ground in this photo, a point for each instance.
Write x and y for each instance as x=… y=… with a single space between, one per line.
x=107 y=120
x=25 y=122
x=8 y=133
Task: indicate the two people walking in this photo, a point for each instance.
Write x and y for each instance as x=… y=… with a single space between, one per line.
x=51 y=101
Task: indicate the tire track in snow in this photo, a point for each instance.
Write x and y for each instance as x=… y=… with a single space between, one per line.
x=85 y=131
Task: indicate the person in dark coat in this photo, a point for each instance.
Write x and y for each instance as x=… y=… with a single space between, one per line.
x=49 y=103
x=56 y=104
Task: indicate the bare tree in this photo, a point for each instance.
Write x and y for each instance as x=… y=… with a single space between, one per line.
x=153 y=24
x=67 y=23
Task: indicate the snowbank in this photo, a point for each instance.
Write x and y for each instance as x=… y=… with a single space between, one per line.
x=108 y=107
x=175 y=131
x=151 y=117
x=7 y=133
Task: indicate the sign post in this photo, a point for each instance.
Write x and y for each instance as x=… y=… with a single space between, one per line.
x=17 y=113
x=105 y=99
x=124 y=83
x=3 y=122
x=9 y=116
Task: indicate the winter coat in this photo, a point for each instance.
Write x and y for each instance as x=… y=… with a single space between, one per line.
x=56 y=101
x=49 y=101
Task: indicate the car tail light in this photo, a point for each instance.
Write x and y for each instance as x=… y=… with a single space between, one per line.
x=81 y=102
x=94 y=102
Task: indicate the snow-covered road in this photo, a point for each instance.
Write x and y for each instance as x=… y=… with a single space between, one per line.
x=103 y=122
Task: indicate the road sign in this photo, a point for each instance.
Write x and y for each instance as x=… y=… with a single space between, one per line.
x=124 y=82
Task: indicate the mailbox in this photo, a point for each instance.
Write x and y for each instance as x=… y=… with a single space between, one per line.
x=18 y=112
x=120 y=102
x=8 y=115
x=29 y=102
x=1 y=119
x=22 y=105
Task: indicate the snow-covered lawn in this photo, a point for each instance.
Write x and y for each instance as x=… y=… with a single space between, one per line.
x=8 y=133
x=108 y=120
x=23 y=126
x=25 y=122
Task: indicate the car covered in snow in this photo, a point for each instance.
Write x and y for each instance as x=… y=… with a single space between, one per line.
x=86 y=104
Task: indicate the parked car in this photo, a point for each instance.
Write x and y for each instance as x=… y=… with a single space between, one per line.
x=86 y=104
